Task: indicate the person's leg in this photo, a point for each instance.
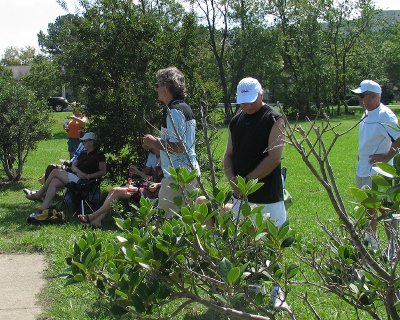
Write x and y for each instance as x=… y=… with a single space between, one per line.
x=166 y=197
x=58 y=174
x=115 y=194
x=370 y=232
x=57 y=179
x=277 y=213
x=72 y=146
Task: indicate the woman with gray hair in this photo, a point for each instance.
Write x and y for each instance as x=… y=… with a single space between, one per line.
x=177 y=137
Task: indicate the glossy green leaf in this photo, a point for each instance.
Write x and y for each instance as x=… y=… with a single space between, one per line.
x=259 y=220
x=380 y=181
x=245 y=209
x=224 y=267
x=78 y=277
x=272 y=229
x=260 y=236
x=359 y=194
x=291 y=270
x=233 y=275
x=385 y=169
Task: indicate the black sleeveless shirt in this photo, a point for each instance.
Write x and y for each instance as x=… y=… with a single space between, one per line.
x=250 y=133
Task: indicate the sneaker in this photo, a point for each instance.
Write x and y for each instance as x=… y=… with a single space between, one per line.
x=28 y=192
x=371 y=241
x=278 y=299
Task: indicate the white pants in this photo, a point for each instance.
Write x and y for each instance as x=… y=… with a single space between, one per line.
x=363 y=181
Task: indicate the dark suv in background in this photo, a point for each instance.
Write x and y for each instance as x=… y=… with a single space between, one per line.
x=57 y=103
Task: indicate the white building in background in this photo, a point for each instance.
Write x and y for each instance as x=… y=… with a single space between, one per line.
x=19 y=71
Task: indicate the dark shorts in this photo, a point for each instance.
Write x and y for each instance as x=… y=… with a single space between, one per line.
x=73 y=144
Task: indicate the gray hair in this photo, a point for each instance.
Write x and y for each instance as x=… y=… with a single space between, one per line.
x=174 y=79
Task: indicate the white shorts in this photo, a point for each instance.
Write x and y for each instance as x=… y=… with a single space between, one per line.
x=275 y=211
x=72 y=177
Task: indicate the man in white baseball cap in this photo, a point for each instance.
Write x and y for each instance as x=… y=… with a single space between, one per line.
x=254 y=150
x=377 y=142
x=368 y=86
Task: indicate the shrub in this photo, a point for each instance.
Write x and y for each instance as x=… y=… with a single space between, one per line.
x=23 y=123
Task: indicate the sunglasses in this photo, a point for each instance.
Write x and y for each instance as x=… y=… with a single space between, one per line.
x=362 y=95
x=83 y=141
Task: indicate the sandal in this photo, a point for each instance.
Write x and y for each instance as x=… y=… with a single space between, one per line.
x=84 y=219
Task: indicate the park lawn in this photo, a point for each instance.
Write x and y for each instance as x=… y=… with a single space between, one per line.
x=55 y=242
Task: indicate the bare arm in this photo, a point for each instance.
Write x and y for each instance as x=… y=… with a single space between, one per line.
x=80 y=120
x=228 y=167
x=98 y=174
x=388 y=156
x=143 y=174
x=155 y=142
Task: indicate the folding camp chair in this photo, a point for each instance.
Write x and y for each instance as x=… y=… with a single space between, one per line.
x=81 y=196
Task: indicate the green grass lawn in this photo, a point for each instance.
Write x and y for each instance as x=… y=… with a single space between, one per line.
x=55 y=242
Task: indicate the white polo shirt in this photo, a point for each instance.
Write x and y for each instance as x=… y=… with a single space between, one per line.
x=375 y=137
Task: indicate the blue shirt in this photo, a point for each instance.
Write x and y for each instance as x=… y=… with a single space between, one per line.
x=179 y=125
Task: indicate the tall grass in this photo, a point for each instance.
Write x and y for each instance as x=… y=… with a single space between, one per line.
x=55 y=242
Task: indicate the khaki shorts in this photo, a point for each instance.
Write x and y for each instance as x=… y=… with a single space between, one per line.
x=166 y=196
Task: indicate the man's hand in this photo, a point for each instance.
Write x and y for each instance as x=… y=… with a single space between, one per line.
x=79 y=173
x=235 y=190
x=153 y=187
x=378 y=158
x=82 y=175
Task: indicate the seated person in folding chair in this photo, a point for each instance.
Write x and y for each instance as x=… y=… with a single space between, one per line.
x=152 y=169
x=91 y=164
x=65 y=164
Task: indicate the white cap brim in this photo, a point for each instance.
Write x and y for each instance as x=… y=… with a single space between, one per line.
x=358 y=90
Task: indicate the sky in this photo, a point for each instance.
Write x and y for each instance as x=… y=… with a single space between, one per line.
x=21 y=20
